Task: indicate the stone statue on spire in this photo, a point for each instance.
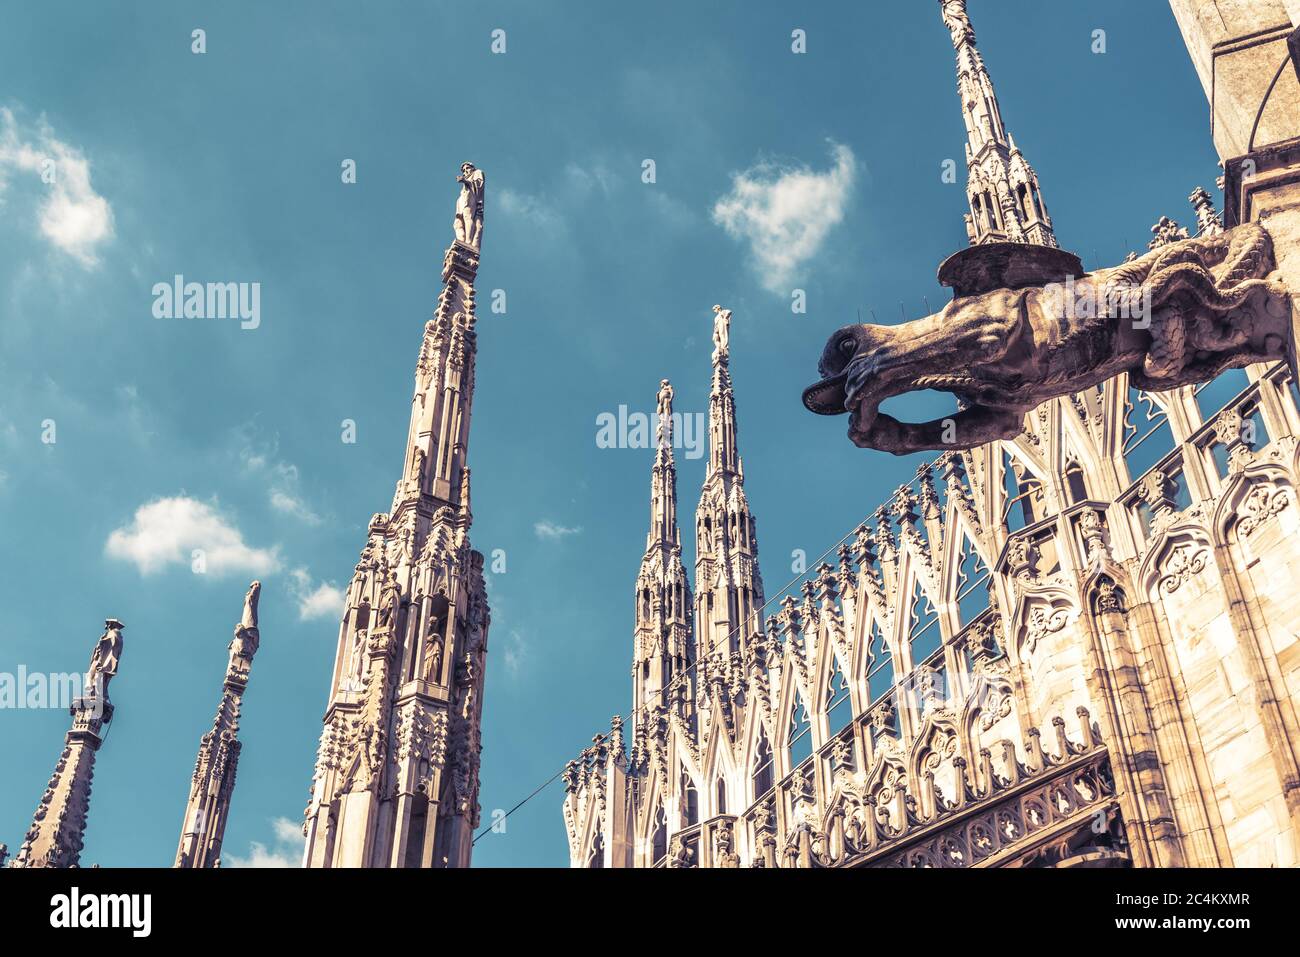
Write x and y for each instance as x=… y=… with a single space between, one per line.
x=468 y=224
x=664 y=413
x=721 y=333
x=247 y=638
x=104 y=659
x=249 y=617
x=957 y=20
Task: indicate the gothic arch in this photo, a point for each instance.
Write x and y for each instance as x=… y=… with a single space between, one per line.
x=954 y=574
x=1090 y=583
x=867 y=609
x=888 y=784
x=938 y=741
x=1177 y=554
x=794 y=697
x=1039 y=611
x=912 y=579
x=991 y=699
x=830 y=654
x=1249 y=499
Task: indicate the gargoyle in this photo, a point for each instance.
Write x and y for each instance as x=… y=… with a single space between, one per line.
x=1181 y=314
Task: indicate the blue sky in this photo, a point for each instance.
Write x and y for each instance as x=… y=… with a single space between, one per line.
x=225 y=166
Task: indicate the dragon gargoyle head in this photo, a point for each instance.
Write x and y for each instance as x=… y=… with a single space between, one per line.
x=844 y=366
x=1179 y=315
x=863 y=365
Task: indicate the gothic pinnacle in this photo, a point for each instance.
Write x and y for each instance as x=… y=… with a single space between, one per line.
x=1006 y=204
x=59 y=825
x=213 y=783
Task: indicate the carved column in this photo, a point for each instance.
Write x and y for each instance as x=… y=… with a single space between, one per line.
x=1114 y=682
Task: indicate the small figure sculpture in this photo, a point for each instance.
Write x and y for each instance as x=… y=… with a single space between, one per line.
x=247 y=638
x=249 y=618
x=468 y=225
x=957 y=21
x=721 y=332
x=417 y=467
x=433 y=659
x=680 y=854
x=725 y=843
x=104 y=659
x=390 y=599
x=664 y=413
x=356 y=659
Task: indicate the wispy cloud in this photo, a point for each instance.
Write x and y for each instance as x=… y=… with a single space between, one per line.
x=72 y=216
x=552 y=532
x=515 y=652
x=606 y=182
x=533 y=210
x=285 y=850
x=785 y=213
x=283 y=483
x=316 y=599
x=168 y=531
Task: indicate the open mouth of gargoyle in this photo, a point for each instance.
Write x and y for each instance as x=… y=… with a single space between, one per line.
x=826 y=397
x=848 y=391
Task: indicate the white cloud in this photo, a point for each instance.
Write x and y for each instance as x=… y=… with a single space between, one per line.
x=73 y=217
x=286 y=849
x=316 y=599
x=550 y=531
x=289 y=503
x=785 y=213
x=167 y=531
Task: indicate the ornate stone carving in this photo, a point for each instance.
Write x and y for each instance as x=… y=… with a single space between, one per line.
x=723 y=846
x=1262 y=502
x=1044 y=621
x=1166 y=232
x=1208 y=305
x=680 y=854
x=1187 y=560
x=1208 y=220
x=1094 y=536
x=104 y=659
x=1108 y=597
